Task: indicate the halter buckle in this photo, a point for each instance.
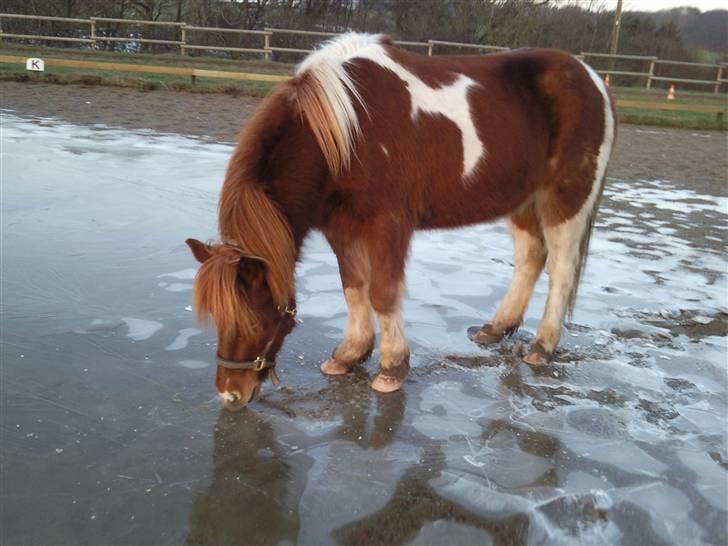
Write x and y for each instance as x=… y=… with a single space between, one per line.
x=259 y=364
x=287 y=310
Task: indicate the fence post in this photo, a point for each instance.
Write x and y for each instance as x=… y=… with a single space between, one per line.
x=651 y=72
x=718 y=77
x=430 y=45
x=266 y=46
x=93 y=33
x=183 y=39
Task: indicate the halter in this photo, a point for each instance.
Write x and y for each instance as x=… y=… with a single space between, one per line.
x=261 y=362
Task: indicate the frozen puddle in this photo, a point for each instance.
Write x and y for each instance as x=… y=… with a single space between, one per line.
x=182 y=338
x=621 y=440
x=141 y=329
x=184 y=274
x=175 y=286
x=193 y=364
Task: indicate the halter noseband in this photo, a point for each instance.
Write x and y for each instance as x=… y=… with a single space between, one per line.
x=261 y=362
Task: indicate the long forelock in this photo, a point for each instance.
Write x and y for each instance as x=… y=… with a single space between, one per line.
x=217 y=297
x=327 y=95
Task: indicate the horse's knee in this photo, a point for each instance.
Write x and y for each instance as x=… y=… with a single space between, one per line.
x=385 y=295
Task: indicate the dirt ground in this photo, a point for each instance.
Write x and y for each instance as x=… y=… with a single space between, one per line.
x=698 y=159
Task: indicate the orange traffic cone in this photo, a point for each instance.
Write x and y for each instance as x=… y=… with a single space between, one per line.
x=671 y=93
x=606 y=80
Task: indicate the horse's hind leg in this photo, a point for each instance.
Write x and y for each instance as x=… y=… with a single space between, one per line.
x=354 y=268
x=529 y=256
x=567 y=242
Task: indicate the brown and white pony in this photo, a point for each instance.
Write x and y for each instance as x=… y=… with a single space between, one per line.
x=368 y=143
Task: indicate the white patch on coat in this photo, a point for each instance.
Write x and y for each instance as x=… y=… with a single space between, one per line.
x=228 y=396
x=563 y=240
x=528 y=255
x=360 y=328
x=393 y=348
x=605 y=150
x=384 y=149
x=327 y=64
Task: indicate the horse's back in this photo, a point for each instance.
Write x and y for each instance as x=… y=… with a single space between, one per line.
x=471 y=138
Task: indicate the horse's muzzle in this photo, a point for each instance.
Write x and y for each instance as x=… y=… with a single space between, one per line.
x=232 y=401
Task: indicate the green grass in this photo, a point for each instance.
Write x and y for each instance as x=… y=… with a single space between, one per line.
x=681 y=96
x=167 y=59
x=149 y=82
x=134 y=80
x=679 y=120
x=672 y=118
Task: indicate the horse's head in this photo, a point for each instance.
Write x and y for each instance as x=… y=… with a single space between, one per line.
x=232 y=289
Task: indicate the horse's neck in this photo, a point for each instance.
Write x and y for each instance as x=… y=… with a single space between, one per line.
x=299 y=193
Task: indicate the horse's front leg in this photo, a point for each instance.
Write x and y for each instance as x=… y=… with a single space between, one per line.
x=354 y=268
x=388 y=253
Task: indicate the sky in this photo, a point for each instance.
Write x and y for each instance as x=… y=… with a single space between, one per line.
x=656 y=5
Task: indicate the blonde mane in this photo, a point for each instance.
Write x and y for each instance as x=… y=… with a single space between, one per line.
x=327 y=94
x=250 y=224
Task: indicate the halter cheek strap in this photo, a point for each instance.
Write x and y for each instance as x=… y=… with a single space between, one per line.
x=262 y=362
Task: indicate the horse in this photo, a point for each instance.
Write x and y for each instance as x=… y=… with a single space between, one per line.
x=368 y=143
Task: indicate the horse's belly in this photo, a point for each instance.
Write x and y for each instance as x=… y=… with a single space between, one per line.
x=461 y=204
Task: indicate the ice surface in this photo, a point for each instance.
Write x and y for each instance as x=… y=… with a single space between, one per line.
x=193 y=364
x=182 y=338
x=444 y=532
x=620 y=441
x=183 y=274
x=178 y=287
x=329 y=485
x=141 y=329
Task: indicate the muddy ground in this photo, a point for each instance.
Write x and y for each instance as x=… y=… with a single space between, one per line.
x=111 y=432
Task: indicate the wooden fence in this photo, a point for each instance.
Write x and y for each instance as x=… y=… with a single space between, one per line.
x=187 y=33
x=653 y=63
x=266 y=42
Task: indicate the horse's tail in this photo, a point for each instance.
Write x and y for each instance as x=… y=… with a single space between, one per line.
x=584 y=245
x=610 y=132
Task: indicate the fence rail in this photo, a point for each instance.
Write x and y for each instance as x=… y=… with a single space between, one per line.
x=467 y=45
x=267 y=48
x=137 y=22
x=268 y=35
x=49 y=38
x=654 y=62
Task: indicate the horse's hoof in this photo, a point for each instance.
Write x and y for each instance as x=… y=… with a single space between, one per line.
x=386 y=383
x=334 y=367
x=391 y=379
x=538 y=356
x=485 y=336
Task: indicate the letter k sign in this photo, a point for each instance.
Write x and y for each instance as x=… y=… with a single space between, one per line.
x=36 y=65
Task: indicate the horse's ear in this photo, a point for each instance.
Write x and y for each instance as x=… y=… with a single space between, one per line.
x=252 y=272
x=199 y=250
